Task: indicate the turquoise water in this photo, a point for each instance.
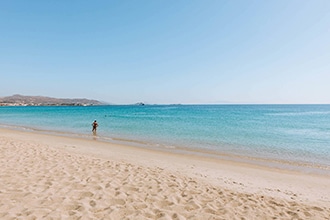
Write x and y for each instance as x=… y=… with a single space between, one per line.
x=292 y=133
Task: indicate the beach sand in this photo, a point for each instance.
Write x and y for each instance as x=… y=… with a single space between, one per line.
x=46 y=176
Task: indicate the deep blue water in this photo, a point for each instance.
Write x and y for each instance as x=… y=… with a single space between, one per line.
x=297 y=133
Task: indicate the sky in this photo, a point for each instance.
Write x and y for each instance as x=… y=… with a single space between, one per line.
x=167 y=51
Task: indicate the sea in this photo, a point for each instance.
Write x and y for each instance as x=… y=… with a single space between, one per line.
x=281 y=136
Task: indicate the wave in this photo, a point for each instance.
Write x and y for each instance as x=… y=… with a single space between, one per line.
x=298 y=113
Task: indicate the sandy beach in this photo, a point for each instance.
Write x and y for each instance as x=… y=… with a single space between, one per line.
x=46 y=176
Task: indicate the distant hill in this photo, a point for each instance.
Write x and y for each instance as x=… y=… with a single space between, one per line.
x=20 y=100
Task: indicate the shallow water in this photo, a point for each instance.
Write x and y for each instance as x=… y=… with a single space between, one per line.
x=293 y=133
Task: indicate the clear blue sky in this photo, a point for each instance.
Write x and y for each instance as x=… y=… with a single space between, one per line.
x=167 y=51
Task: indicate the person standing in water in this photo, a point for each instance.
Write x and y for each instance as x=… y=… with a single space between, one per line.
x=95 y=125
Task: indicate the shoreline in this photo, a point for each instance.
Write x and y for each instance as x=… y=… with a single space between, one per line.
x=49 y=176
x=280 y=164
